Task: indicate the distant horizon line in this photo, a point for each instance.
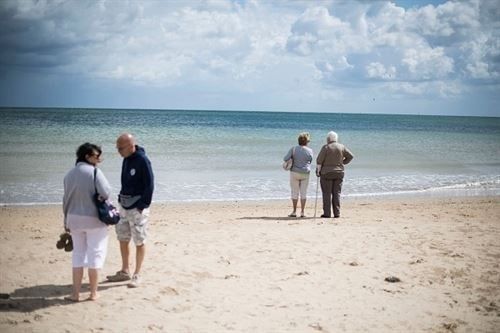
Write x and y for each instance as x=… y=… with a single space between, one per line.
x=241 y=110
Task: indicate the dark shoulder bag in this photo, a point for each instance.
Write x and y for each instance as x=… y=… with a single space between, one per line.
x=108 y=214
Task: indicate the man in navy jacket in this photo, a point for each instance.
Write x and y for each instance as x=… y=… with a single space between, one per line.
x=135 y=196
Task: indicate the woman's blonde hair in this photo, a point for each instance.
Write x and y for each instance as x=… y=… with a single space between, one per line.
x=304 y=138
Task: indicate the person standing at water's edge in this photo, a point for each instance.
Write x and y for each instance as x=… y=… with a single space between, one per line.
x=137 y=185
x=330 y=167
x=89 y=234
x=299 y=173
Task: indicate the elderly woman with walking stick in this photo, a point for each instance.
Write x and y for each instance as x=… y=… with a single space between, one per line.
x=330 y=168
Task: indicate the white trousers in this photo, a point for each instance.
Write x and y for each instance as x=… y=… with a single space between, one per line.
x=90 y=247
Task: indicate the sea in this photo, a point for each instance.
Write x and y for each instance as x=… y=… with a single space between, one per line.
x=237 y=156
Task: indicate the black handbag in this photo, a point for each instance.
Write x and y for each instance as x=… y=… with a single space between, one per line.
x=108 y=214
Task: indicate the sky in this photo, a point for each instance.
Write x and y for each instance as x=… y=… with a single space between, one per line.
x=355 y=56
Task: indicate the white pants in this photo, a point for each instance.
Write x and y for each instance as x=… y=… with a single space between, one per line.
x=90 y=247
x=298 y=184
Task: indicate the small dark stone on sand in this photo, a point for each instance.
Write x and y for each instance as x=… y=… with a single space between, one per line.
x=392 y=279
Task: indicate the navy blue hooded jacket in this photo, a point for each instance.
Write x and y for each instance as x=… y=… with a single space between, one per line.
x=137 y=178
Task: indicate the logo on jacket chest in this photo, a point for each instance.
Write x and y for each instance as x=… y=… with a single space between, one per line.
x=132 y=172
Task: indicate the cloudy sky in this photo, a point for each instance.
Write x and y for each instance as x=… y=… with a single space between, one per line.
x=407 y=56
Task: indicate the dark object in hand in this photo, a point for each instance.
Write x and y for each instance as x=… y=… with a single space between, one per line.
x=65 y=242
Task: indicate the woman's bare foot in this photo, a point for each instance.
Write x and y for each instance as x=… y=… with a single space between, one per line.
x=93 y=298
x=72 y=298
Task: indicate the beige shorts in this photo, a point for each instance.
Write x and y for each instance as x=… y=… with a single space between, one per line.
x=298 y=184
x=132 y=225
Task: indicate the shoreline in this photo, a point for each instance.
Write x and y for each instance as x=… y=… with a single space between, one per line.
x=347 y=204
x=244 y=266
x=417 y=194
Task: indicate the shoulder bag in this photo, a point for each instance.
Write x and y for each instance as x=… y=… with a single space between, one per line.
x=288 y=164
x=108 y=214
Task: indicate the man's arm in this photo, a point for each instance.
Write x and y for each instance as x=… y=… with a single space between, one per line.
x=148 y=179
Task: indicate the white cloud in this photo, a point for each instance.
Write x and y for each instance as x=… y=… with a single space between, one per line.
x=431 y=89
x=482 y=57
x=451 y=18
x=324 y=49
x=479 y=70
x=376 y=70
x=338 y=64
x=189 y=44
x=407 y=88
x=427 y=63
x=449 y=41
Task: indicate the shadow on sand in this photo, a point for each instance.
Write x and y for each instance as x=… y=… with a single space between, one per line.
x=33 y=298
x=276 y=218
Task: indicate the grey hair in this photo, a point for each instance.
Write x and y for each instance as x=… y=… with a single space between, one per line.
x=332 y=137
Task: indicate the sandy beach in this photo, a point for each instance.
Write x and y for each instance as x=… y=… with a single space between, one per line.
x=245 y=267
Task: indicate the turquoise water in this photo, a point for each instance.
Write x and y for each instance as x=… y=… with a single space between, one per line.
x=215 y=155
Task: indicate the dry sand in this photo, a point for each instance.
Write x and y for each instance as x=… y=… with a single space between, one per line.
x=244 y=267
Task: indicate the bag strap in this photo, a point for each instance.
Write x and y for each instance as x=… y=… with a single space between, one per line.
x=95 y=176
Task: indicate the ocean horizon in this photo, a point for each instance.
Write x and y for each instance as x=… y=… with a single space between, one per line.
x=236 y=155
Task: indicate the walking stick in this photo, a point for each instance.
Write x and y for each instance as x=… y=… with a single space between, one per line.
x=316 y=201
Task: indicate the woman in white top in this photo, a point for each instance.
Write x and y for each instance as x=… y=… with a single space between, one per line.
x=90 y=235
x=299 y=174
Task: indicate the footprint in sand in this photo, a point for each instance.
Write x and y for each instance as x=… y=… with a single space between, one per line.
x=169 y=291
